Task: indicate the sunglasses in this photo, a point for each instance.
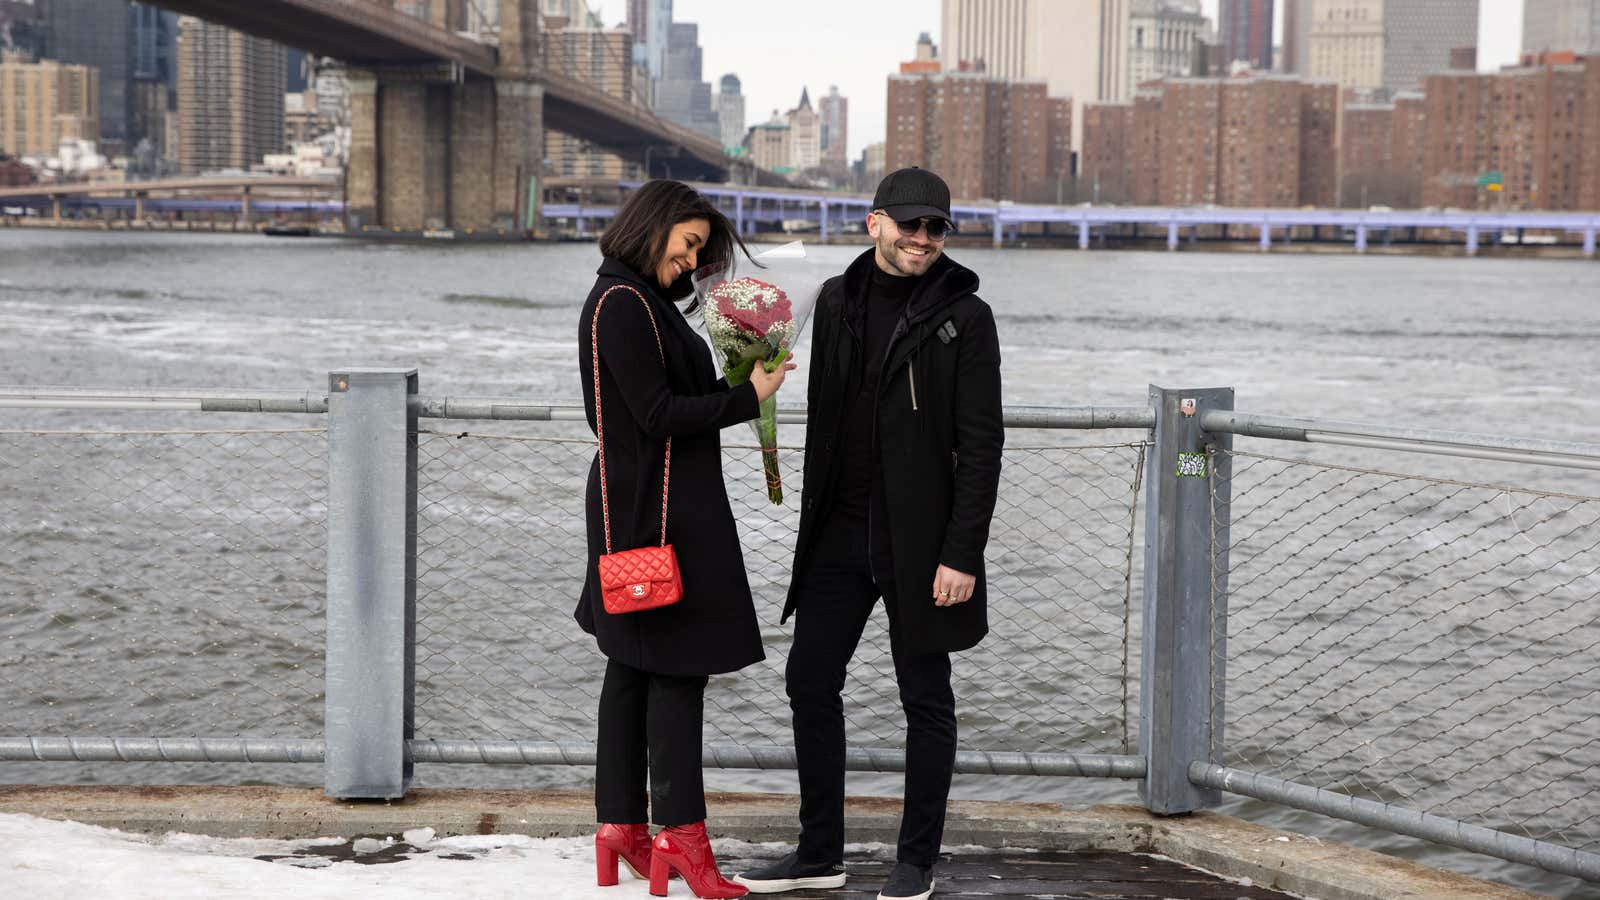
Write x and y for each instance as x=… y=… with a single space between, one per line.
x=937 y=227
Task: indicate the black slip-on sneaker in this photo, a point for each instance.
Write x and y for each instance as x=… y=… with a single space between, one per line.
x=788 y=874
x=908 y=882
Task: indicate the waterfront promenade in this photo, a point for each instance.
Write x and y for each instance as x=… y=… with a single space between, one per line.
x=1039 y=850
x=1407 y=629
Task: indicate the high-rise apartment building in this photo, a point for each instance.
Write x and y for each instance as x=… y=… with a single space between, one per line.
x=729 y=103
x=1347 y=43
x=1420 y=34
x=43 y=102
x=834 y=109
x=1166 y=36
x=1079 y=49
x=1553 y=26
x=602 y=59
x=230 y=97
x=1244 y=31
x=987 y=137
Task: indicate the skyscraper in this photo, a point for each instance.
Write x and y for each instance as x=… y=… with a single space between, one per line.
x=1297 y=15
x=650 y=22
x=730 y=110
x=1419 y=35
x=1167 y=34
x=805 y=135
x=681 y=96
x=230 y=97
x=1347 y=43
x=100 y=34
x=1244 y=31
x=1080 y=50
x=834 y=108
x=1557 y=25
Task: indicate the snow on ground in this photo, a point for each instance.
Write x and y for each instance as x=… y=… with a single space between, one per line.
x=44 y=859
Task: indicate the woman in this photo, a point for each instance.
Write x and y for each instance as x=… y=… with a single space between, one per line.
x=658 y=661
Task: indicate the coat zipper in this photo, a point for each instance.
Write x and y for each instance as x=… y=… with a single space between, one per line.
x=911 y=379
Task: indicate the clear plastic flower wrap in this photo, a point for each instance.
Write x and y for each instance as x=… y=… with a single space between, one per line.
x=753 y=315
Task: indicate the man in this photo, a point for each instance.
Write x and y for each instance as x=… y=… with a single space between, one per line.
x=902 y=466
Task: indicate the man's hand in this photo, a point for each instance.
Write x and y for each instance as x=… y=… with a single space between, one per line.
x=951 y=587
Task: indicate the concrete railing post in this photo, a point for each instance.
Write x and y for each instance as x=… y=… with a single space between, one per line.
x=372 y=542
x=1182 y=685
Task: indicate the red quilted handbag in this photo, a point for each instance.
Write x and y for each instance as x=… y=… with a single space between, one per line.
x=646 y=577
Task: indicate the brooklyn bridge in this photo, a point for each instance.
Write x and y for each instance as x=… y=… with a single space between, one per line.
x=447 y=123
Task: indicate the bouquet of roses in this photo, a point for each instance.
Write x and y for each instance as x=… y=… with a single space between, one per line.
x=753 y=318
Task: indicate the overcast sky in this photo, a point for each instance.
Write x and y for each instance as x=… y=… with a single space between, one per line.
x=778 y=48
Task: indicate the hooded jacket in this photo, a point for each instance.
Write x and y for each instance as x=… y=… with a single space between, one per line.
x=939 y=437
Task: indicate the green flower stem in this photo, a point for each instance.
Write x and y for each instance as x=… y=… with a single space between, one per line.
x=738 y=371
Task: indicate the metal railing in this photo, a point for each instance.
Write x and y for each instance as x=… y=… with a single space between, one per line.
x=1400 y=650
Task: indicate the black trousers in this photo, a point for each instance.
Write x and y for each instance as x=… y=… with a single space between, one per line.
x=649 y=732
x=836 y=595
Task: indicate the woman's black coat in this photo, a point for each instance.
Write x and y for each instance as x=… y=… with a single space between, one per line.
x=713 y=628
x=940 y=431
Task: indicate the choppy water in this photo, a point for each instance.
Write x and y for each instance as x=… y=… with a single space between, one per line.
x=1503 y=346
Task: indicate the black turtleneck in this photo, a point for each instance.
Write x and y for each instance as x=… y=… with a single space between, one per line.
x=860 y=496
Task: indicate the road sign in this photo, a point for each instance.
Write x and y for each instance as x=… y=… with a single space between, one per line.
x=1492 y=180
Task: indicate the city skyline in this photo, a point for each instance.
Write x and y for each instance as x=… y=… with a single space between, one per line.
x=774 y=67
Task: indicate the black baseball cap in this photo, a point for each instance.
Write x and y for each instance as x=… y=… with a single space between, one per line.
x=911 y=193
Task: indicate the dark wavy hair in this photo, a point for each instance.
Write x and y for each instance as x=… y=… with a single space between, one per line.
x=637 y=237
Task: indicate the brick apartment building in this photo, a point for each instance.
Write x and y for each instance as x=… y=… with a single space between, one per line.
x=1275 y=141
x=1535 y=126
x=988 y=138
x=1264 y=141
x=1105 y=163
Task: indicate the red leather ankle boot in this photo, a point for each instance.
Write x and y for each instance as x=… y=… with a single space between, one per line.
x=631 y=843
x=686 y=849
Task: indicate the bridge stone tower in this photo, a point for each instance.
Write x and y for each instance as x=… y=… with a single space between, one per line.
x=433 y=148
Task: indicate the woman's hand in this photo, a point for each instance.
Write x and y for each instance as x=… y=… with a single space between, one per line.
x=767 y=383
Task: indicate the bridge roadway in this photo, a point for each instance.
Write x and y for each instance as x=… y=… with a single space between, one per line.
x=754 y=208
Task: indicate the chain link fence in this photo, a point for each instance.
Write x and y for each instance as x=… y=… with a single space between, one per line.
x=1421 y=641
x=501 y=557
x=163 y=582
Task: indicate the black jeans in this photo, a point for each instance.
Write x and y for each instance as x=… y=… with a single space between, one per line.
x=836 y=595
x=649 y=729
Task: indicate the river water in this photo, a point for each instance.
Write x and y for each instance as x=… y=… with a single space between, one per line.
x=1498 y=346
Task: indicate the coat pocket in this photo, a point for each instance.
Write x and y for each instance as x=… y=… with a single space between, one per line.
x=911 y=379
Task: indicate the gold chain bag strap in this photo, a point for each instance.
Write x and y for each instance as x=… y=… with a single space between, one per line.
x=646 y=577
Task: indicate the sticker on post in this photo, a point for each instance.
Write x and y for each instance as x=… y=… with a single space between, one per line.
x=1186 y=406
x=1191 y=465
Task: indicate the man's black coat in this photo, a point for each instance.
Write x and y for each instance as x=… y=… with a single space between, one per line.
x=939 y=434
